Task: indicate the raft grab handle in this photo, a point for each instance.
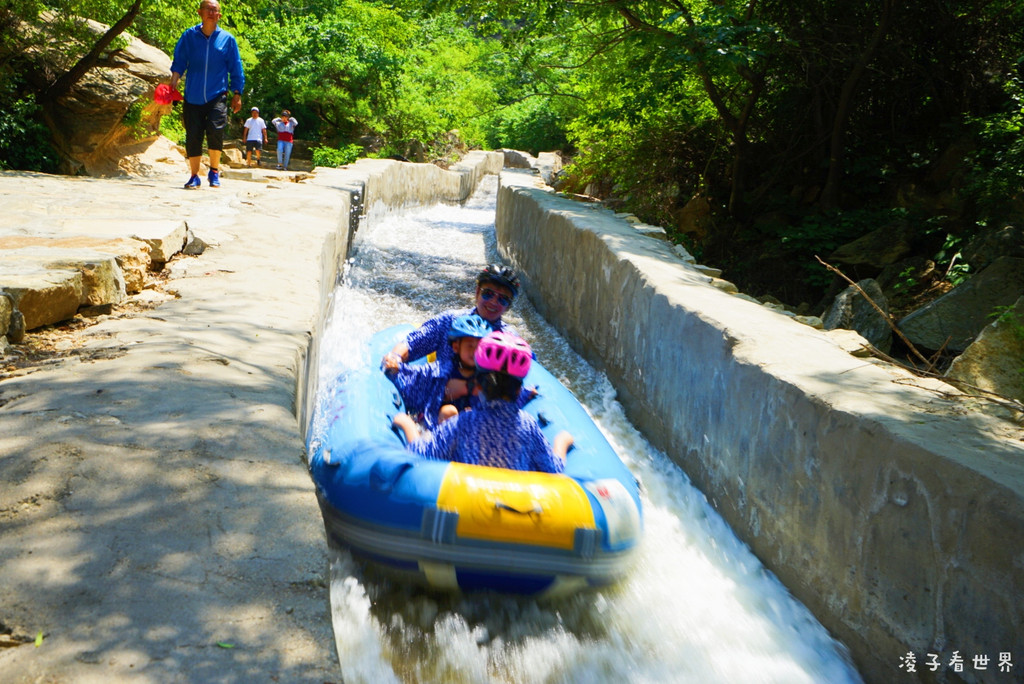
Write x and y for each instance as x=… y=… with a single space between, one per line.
x=502 y=506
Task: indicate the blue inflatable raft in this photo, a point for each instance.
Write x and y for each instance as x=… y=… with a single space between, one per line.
x=460 y=527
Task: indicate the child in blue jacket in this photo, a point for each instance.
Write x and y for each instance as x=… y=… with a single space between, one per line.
x=436 y=391
x=496 y=432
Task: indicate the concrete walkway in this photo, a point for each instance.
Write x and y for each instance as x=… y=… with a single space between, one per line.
x=157 y=522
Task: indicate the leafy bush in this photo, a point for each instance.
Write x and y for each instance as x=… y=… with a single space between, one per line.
x=133 y=120
x=1007 y=315
x=531 y=126
x=996 y=166
x=172 y=127
x=333 y=157
x=820 y=233
x=948 y=255
x=25 y=143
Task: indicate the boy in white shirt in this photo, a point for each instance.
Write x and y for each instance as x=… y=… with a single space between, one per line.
x=255 y=136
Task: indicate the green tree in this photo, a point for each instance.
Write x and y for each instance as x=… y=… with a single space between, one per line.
x=71 y=50
x=343 y=66
x=444 y=86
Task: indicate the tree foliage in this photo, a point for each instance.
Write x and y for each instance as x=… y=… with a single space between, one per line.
x=795 y=124
x=341 y=66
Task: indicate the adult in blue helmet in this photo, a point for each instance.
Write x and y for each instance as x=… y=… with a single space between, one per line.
x=496 y=288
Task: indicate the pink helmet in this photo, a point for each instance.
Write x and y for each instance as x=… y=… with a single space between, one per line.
x=503 y=352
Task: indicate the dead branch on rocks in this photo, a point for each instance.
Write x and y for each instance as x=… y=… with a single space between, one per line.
x=966 y=387
x=930 y=365
x=929 y=371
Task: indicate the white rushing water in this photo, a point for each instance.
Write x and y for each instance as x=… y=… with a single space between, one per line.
x=698 y=606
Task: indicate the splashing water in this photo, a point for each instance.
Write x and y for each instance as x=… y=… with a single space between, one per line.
x=697 y=607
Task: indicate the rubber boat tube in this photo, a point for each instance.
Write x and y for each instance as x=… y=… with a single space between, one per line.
x=460 y=527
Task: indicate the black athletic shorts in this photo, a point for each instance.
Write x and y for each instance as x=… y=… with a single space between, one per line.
x=251 y=145
x=209 y=119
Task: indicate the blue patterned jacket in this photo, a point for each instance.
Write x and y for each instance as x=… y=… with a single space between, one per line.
x=495 y=433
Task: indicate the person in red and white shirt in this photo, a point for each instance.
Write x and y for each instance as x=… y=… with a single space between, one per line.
x=285 y=125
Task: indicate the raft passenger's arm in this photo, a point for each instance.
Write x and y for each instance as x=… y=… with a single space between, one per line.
x=399 y=353
x=561 y=444
x=408 y=426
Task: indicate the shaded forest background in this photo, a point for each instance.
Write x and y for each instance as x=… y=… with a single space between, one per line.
x=758 y=133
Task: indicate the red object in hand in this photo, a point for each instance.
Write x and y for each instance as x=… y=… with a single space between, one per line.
x=165 y=95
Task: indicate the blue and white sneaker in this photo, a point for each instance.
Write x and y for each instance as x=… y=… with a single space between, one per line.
x=214 y=178
x=193 y=182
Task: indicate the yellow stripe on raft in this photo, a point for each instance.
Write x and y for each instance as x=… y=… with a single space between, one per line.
x=496 y=504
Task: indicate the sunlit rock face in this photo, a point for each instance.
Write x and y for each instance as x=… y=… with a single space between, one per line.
x=91 y=119
x=995 y=361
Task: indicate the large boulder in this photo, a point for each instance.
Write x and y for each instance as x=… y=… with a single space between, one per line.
x=989 y=245
x=91 y=117
x=694 y=218
x=995 y=361
x=851 y=311
x=93 y=113
x=960 y=314
x=878 y=249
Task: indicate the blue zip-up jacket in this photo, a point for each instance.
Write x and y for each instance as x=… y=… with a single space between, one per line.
x=209 y=62
x=422 y=388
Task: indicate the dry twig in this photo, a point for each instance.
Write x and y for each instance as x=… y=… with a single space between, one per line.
x=888 y=319
x=973 y=390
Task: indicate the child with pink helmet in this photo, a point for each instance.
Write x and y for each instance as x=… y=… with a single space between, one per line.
x=496 y=432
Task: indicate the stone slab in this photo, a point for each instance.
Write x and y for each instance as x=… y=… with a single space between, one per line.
x=158 y=522
x=165 y=237
x=43 y=296
x=102 y=277
x=132 y=255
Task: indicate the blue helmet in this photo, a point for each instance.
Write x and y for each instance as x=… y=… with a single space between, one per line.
x=470 y=325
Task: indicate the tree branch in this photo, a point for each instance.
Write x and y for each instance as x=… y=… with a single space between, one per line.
x=973 y=390
x=886 y=317
x=830 y=194
x=69 y=78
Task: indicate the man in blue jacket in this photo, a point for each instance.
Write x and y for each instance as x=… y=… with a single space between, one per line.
x=209 y=55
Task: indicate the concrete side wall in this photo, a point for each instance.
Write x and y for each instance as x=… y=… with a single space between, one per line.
x=897 y=521
x=397 y=184
x=364 y=184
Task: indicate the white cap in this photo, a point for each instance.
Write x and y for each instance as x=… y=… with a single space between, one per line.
x=255 y=109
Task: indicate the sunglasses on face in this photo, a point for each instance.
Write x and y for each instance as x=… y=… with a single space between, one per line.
x=488 y=294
